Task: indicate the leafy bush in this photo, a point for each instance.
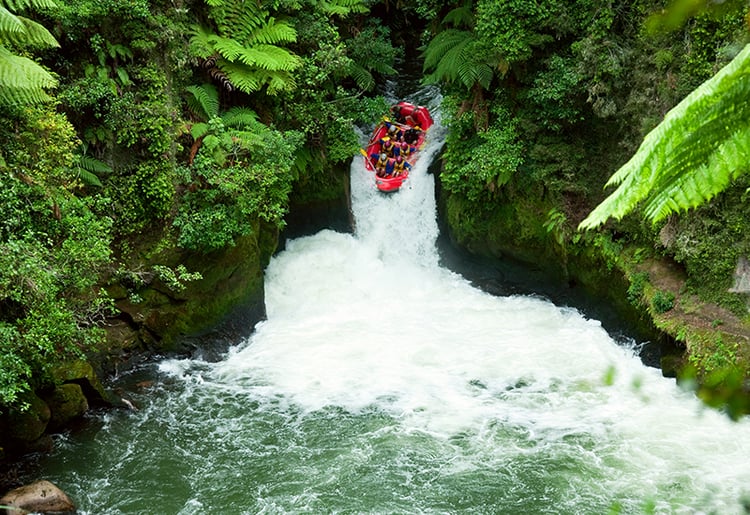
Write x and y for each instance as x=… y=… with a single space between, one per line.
x=222 y=201
x=662 y=301
x=477 y=165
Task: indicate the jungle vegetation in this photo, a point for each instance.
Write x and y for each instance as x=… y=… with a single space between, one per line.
x=181 y=120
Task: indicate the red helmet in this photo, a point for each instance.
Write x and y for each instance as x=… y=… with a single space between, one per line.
x=399 y=159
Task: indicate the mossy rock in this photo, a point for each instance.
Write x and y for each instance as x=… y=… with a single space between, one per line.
x=66 y=403
x=30 y=424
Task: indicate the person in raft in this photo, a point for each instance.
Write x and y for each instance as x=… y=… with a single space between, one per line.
x=381 y=160
x=394 y=131
x=406 y=150
x=400 y=165
x=389 y=146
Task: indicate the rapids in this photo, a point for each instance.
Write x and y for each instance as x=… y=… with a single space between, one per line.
x=381 y=382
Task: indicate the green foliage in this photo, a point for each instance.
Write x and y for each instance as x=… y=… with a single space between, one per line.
x=636 y=288
x=458 y=56
x=52 y=249
x=223 y=199
x=662 y=301
x=478 y=165
x=692 y=155
x=552 y=94
x=246 y=48
x=23 y=81
x=512 y=29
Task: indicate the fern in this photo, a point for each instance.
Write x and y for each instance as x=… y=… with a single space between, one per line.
x=246 y=50
x=204 y=100
x=693 y=154
x=22 y=81
x=364 y=79
x=239 y=117
x=343 y=7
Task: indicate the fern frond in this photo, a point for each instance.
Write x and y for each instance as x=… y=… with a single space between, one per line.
x=239 y=117
x=251 y=80
x=278 y=82
x=364 y=79
x=9 y=23
x=204 y=100
x=443 y=43
x=272 y=33
x=692 y=189
x=200 y=43
x=462 y=16
x=343 y=7
x=93 y=165
x=243 y=78
x=697 y=137
x=380 y=67
x=34 y=34
x=198 y=130
x=22 y=81
x=88 y=178
x=20 y=5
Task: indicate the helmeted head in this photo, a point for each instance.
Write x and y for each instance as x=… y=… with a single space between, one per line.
x=404 y=145
x=383 y=156
x=399 y=159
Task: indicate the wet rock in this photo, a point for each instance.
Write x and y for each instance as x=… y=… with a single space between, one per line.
x=38 y=497
x=29 y=424
x=66 y=402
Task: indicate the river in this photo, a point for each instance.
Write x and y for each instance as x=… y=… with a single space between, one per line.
x=382 y=382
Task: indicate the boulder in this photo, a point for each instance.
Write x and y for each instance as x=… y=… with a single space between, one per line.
x=66 y=402
x=38 y=497
x=27 y=425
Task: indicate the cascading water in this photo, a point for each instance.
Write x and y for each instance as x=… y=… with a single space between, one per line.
x=384 y=383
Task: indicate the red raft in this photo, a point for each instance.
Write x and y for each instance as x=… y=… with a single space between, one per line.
x=395 y=144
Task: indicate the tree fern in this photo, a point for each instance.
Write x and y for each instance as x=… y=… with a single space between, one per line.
x=693 y=154
x=22 y=81
x=343 y=7
x=203 y=101
x=247 y=47
x=362 y=77
x=239 y=117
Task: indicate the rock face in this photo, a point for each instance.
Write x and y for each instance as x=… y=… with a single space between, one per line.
x=38 y=497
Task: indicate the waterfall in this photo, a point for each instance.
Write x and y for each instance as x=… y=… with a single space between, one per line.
x=382 y=382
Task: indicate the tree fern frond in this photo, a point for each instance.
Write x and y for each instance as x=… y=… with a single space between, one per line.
x=198 y=130
x=20 y=5
x=701 y=184
x=33 y=34
x=249 y=80
x=22 y=81
x=362 y=77
x=452 y=62
x=204 y=100
x=343 y=7
x=442 y=43
x=200 y=43
x=93 y=165
x=242 y=77
x=88 y=178
x=696 y=137
x=239 y=117
x=9 y=23
x=279 y=81
x=462 y=16
x=269 y=57
x=380 y=67
x=272 y=33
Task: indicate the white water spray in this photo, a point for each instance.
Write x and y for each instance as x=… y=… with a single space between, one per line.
x=384 y=383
